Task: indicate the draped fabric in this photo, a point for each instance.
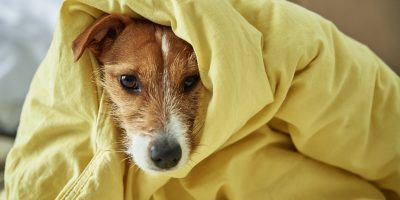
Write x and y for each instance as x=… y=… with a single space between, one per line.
x=296 y=110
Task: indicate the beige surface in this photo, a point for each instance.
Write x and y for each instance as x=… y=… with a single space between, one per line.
x=374 y=23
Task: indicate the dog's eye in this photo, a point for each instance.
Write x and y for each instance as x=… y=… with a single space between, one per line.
x=112 y=33
x=130 y=83
x=189 y=82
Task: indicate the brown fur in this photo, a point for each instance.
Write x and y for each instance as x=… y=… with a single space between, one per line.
x=133 y=47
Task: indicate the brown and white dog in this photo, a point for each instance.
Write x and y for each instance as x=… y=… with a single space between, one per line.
x=152 y=79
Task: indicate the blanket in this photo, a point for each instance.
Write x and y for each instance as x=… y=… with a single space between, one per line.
x=296 y=110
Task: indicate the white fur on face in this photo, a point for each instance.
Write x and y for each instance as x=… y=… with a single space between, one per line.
x=164 y=45
x=137 y=148
x=177 y=130
x=138 y=145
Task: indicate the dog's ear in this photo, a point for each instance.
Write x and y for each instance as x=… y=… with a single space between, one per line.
x=100 y=34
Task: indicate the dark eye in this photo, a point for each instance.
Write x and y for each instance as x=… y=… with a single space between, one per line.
x=189 y=82
x=130 y=83
x=112 y=33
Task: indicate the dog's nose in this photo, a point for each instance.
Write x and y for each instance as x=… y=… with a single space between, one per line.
x=165 y=153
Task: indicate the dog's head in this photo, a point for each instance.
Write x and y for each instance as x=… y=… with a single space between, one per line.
x=152 y=79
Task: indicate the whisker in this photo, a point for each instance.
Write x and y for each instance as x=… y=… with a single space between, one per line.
x=123 y=160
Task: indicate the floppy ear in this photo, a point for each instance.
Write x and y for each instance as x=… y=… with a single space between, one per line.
x=100 y=34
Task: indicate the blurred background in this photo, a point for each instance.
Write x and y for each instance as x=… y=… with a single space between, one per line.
x=26 y=28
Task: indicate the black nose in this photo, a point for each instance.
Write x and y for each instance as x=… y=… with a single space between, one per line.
x=165 y=154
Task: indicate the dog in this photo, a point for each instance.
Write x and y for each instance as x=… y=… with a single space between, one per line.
x=152 y=80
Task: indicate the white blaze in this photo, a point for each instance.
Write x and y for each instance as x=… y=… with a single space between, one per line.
x=164 y=45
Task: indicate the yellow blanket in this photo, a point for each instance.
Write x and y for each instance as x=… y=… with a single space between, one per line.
x=297 y=110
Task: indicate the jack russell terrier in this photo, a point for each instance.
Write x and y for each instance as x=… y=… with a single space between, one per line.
x=152 y=80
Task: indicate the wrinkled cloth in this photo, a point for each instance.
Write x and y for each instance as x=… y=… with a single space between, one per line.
x=296 y=110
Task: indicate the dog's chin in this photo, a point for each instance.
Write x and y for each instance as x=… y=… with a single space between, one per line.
x=137 y=149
